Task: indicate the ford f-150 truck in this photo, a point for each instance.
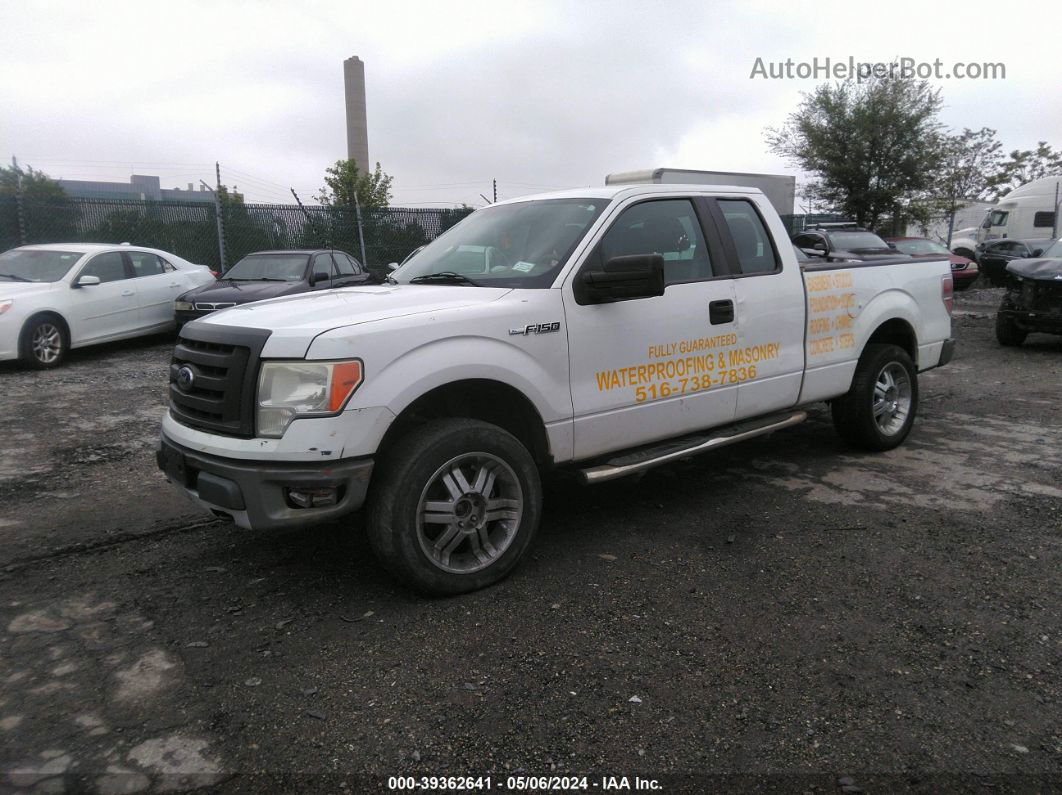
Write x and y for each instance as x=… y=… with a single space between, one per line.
x=599 y=331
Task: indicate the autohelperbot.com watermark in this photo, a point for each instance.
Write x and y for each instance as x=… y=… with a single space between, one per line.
x=849 y=68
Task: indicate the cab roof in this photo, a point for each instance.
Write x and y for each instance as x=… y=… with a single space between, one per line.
x=626 y=190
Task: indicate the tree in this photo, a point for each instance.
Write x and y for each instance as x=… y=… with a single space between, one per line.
x=35 y=184
x=969 y=159
x=344 y=181
x=1022 y=167
x=872 y=147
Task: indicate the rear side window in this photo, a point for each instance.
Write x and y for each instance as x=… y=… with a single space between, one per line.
x=145 y=264
x=755 y=250
x=343 y=264
x=1044 y=220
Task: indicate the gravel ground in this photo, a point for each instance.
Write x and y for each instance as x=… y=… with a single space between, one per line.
x=784 y=615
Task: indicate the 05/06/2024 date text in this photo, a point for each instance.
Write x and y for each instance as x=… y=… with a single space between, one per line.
x=697 y=383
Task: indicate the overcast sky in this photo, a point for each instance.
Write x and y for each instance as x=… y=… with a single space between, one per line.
x=537 y=94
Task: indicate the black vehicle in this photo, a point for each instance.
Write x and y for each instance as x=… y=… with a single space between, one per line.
x=840 y=243
x=994 y=255
x=1033 y=301
x=271 y=274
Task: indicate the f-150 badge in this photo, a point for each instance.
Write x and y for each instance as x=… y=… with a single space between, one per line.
x=535 y=328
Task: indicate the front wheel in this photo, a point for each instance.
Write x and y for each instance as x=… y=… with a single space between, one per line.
x=455 y=506
x=879 y=409
x=44 y=343
x=1007 y=331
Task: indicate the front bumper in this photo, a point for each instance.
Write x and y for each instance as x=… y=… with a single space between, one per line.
x=254 y=494
x=1047 y=322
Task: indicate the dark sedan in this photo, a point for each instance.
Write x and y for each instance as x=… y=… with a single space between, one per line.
x=843 y=244
x=963 y=271
x=271 y=274
x=993 y=256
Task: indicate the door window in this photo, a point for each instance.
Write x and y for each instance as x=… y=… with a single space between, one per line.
x=322 y=266
x=669 y=228
x=145 y=264
x=752 y=243
x=109 y=267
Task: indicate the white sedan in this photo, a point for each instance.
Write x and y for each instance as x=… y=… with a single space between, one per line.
x=66 y=295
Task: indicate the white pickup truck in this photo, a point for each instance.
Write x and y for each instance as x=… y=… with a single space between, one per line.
x=600 y=331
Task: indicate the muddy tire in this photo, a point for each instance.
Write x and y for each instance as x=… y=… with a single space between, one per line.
x=455 y=505
x=879 y=409
x=44 y=342
x=1007 y=331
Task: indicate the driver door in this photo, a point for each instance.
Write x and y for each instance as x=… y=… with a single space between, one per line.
x=108 y=309
x=647 y=369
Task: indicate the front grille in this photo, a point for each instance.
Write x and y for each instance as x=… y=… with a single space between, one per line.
x=207 y=307
x=223 y=364
x=1046 y=296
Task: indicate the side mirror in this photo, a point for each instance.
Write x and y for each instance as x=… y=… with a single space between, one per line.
x=317 y=277
x=1036 y=252
x=392 y=266
x=621 y=279
x=820 y=246
x=814 y=252
x=87 y=281
x=891 y=245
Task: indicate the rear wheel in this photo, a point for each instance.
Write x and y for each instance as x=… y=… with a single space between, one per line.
x=44 y=342
x=1007 y=331
x=880 y=407
x=456 y=504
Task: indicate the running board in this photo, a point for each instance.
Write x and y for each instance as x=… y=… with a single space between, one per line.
x=655 y=455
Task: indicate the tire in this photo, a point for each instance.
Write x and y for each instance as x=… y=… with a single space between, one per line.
x=44 y=342
x=879 y=409
x=1007 y=331
x=454 y=471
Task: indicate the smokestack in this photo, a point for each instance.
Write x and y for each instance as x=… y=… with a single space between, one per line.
x=357 y=126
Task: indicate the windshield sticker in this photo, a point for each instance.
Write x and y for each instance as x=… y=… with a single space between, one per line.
x=524 y=266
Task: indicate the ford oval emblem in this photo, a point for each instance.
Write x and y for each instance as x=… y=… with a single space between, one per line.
x=185 y=378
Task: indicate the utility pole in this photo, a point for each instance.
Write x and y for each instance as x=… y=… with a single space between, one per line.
x=495 y=191
x=18 y=202
x=361 y=234
x=1054 y=226
x=217 y=216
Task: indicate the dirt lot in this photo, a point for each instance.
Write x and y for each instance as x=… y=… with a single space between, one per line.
x=785 y=615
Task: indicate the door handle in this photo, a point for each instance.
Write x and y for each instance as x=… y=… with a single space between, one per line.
x=721 y=312
x=128 y=292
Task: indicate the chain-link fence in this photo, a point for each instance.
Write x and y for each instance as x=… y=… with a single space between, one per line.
x=190 y=229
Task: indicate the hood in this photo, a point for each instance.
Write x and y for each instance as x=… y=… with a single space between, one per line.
x=10 y=289
x=241 y=292
x=1040 y=269
x=313 y=313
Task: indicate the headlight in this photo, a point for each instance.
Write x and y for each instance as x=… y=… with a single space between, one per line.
x=183 y=306
x=6 y=305
x=287 y=390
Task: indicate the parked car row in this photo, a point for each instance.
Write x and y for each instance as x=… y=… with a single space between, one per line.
x=57 y=297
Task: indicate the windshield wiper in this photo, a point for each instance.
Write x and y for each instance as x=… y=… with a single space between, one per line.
x=15 y=277
x=443 y=276
x=266 y=279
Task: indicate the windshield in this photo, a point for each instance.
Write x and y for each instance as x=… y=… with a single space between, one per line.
x=857 y=240
x=269 y=267
x=511 y=245
x=920 y=247
x=21 y=265
x=1054 y=251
